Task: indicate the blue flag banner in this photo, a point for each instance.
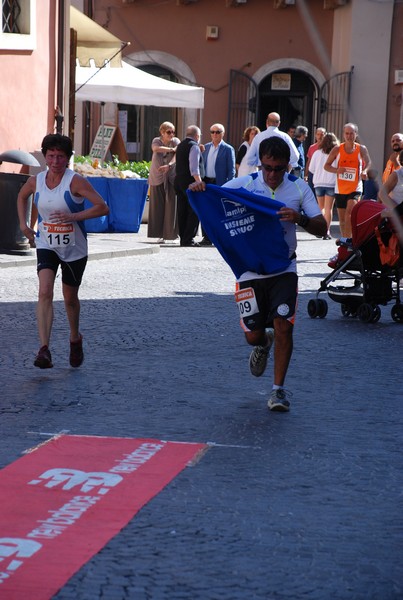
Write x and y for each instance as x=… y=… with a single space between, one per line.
x=244 y=227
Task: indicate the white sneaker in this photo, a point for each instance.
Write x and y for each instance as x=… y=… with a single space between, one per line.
x=278 y=400
x=260 y=354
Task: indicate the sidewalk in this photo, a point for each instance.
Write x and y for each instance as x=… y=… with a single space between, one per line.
x=101 y=245
x=114 y=245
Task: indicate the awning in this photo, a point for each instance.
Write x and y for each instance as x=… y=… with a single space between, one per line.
x=93 y=41
x=129 y=85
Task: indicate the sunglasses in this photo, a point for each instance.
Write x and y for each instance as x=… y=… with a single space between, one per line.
x=215 y=132
x=169 y=131
x=278 y=169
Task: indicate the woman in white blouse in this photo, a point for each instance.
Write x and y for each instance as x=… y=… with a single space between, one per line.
x=323 y=181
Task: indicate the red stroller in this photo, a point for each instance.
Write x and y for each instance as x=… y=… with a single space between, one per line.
x=366 y=269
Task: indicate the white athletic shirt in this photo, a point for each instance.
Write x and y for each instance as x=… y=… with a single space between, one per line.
x=68 y=240
x=294 y=193
x=397 y=193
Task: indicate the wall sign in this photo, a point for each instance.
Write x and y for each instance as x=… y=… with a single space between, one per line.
x=281 y=81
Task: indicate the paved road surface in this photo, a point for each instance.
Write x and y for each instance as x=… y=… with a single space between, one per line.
x=305 y=505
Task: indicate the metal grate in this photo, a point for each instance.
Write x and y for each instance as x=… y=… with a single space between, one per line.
x=334 y=102
x=243 y=106
x=11 y=11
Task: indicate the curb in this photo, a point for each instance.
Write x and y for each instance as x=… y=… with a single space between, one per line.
x=9 y=261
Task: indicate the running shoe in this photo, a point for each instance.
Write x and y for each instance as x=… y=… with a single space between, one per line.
x=260 y=354
x=76 y=352
x=205 y=242
x=43 y=359
x=333 y=261
x=278 y=400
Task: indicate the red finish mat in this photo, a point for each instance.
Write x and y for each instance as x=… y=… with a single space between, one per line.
x=61 y=503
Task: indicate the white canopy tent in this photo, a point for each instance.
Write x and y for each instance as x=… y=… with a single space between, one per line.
x=118 y=82
x=128 y=85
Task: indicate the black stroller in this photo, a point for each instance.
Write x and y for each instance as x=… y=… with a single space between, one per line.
x=366 y=269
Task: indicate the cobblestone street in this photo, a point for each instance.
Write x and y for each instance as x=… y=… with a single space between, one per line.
x=305 y=505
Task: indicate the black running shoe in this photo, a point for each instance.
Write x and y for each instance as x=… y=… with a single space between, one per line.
x=43 y=359
x=76 y=352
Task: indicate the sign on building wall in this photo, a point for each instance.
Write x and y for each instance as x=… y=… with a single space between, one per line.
x=281 y=81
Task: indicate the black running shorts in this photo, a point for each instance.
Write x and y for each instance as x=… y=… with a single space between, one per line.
x=342 y=199
x=260 y=301
x=72 y=272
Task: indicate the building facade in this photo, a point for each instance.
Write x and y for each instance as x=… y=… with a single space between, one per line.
x=28 y=67
x=316 y=62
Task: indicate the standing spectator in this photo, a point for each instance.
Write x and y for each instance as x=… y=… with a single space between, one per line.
x=301 y=133
x=319 y=133
x=189 y=168
x=371 y=186
x=351 y=164
x=61 y=239
x=291 y=131
x=393 y=162
x=323 y=181
x=162 y=218
x=272 y=123
x=240 y=163
x=219 y=163
x=391 y=192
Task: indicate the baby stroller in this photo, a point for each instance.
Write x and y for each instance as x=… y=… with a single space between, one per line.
x=366 y=269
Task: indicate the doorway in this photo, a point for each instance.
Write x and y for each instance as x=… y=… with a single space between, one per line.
x=293 y=95
x=143 y=122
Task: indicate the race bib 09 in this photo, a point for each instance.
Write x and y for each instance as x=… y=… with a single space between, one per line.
x=246 y=301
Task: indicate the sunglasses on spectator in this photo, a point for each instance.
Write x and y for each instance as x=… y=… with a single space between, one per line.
x=169 y=131
x=270 y=169
x=216 y=132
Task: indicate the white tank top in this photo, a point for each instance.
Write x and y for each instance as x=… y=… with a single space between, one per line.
x=397 y=193
x=68 y=240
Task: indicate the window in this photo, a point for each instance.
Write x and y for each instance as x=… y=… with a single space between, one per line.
x=18 y=25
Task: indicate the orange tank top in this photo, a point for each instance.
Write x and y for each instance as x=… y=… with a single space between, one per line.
x=390 y=167
x=350 y=181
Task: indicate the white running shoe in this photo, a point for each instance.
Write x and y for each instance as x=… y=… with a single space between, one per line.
x=278 y=400
x=260 y=354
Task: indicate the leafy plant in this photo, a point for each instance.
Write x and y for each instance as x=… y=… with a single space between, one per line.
x=141 y=168
x=82 y=159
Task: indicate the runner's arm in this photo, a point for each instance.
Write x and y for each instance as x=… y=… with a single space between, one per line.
x=81 y=187
x=314 y=225
x=25 y=192
x=367 y=162
x=328 y=164
x=385 y=190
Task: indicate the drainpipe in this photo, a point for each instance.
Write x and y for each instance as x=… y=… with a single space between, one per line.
x=59 y=118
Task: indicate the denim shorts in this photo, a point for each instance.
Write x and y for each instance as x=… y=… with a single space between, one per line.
x=324 y=191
